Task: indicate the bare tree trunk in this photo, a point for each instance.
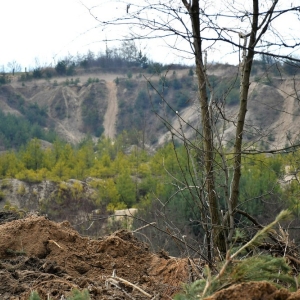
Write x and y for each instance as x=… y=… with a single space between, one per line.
x=218 y=238
x=246 y=65
x=244 y=90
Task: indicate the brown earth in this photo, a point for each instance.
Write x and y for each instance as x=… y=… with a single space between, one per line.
x=51 y=258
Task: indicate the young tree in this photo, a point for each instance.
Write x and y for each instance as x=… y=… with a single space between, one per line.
x=14 y=66
x=246 y=30
x=129 y=51
x=61 y=67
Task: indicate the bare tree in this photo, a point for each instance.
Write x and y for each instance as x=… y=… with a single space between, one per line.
x=129 y=51
x=14 y=67
x=197 y=29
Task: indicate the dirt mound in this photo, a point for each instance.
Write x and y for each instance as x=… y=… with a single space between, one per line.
x=51 y=258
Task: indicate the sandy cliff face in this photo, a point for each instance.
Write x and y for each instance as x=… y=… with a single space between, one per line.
x=73 y=110
x=67 y=104
x=72 y=200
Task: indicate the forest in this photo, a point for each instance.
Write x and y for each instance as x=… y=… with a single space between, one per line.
x=127 y=176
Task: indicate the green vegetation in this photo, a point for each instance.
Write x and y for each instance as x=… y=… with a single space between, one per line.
x=92 y=112
x=4 y=79
x=34 y=296
x=65 y=67
x=124 y=58
x=92 y=80
x=75 y=295
x=79 y=295
x=2 y=195
x=69 y=82
x=15 y=252
x=140 y=103
x=16 y=131
x=126 y=176
x=245 y=269
x=226 y=89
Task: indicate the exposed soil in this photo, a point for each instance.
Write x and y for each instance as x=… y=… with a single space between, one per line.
x=111 y=112
x=51 y=258
x=37 y=254
x=289 y=121
x=273 y=110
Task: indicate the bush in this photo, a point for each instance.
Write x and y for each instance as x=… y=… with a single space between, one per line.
x=233 y=97
x=76 y=295
x=37 y=73
x=49 y=72
x=92 y=80
x=61 y=67
x=34 y=296
x=187 y=80
x=71 y=70
x=182 y=100
x=21 y=189
x=291 y=68
x=142 y=101
x=4 y=79
x=84 y=64
x=2 y=195
x=176 y=83
x=155 y=68
x=129 y=84
x=79 y=295
x=6 y=184
x=239 y=268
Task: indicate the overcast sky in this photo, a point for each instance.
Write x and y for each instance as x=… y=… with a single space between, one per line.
x=51 y=29
x=48 y=30
x=45 y=29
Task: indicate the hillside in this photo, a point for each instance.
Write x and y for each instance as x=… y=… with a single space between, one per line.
x=83 y=187
x=98 y=103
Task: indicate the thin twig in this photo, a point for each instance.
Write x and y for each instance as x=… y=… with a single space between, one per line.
x=131 y=284
x=55 y=244
x=90 y=225
x=138 y=229
x=116 y=284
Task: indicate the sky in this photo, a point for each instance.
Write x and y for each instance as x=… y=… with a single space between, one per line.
x=41 y=32
x=45 y=30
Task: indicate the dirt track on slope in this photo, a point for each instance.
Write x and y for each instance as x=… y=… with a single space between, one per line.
x=111 y=112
